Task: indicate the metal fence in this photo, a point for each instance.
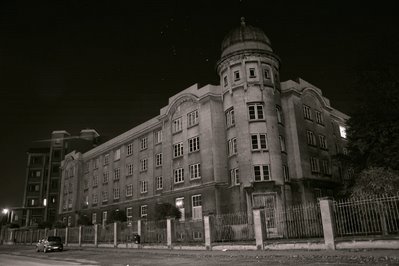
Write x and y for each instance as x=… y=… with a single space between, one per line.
x=106 y=234
x=368 y=216
x=88 y=234
x=296 y=221
x=188 y=231
x=126 y=231
x=232 y=227
x=153 y=231
x=73 y=235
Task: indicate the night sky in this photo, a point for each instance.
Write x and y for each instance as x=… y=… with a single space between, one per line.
x=111 y=65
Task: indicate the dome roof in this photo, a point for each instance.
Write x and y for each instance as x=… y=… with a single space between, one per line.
x=245 y=37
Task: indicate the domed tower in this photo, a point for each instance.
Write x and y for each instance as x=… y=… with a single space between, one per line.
x=249 y=78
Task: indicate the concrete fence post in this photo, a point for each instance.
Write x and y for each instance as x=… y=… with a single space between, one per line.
x=327 y=218
x=31 y=237
x=258 y=229
x=45 y=232
x=139 y=227
x=66 y=235
x=207 y=232
x=55 y=231
x=80 y=236
x=96 y=235
x=169 y=232
x=115 y=234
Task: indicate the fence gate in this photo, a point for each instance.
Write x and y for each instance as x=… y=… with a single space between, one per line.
x=268 y=202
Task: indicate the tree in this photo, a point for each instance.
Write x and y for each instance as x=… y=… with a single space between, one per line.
x=117 y=216
x=84 y=220
x=164 y=210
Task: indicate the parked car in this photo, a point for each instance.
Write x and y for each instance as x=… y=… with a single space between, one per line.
x=51 y=243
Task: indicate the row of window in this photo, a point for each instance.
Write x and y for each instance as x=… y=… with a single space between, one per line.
x=255 y=112
x=192 y=120
x=308 y=114
x=260 y=173
x=252 y=73
x=311 y=140
x=193 y=146
x=258 y=142
x=317 y=167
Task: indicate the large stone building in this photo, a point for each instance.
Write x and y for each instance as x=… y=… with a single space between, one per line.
x=251 y=141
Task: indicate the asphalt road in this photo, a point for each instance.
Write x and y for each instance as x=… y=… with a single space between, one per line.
x=27 y=256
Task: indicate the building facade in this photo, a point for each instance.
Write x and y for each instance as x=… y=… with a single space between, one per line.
x=252 y=141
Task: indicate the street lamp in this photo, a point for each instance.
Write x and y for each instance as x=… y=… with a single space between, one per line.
x=5 y=211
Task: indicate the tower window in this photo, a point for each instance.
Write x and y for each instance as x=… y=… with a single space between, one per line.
x=255 y=111
x=252 y=73
x=261 y=172
x=236 y=75
x=266 y=73
x=225 y=83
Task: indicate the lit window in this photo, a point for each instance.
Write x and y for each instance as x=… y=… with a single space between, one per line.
x=129 y=169
x=192 y=118
x=311 y=138
x=178 y=149
x=319 y=118
x=232 y=146
x=179 y=175
x=144 y=143
x=342 y=131
x=193 y=144
x=195 y=171
x=159 y=183
x=143 y=186
x=117 y=173
x=106 y=159
x=197 y=207
x=259 y=142
x=129 y=149
x=286 y=173
x=307 y=112
x=255 y=111
x=158 y=159
x=158 y=136
x=179 y=203
x=314 y=165
x=177 y=125
x=230 y=117
x=252 y=73
x=129 y=190
x=236 y=75
x=261 y=172
x=117 y=154
x=143 y=164
x=234 y=175
x=323 y=142
x=279 y=114
x=282 y=143
x=143 y=211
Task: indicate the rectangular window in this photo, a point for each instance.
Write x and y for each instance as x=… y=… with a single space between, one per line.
x=314 y=165
x=95 y=198
x=261 y=172
x=234 y=175
x=143 y=143
x=86 y=183
x=158 y=159
x=104 y=196
x=95 y=180
x=282 y=143
x=197 y=207
x=129 y=190
x=143 y=186
x=117 y=173
x=95 y=164
x=193 y=144
x=279 y=114
x=266 y=73
x=117 y=191
x=192 y=118
x=323 y=142
x=311 y=138
x=230 y=118
x=178 y=149
x=177 y=125
x=117 y=154
x=232 y=146
x=195 y=171
x=129 y=168
x=325 y=167
x=105 y=176
x=225 y=83
x=286 y=173
x=307 y=112
x=159 y=183
x=143 y=164
x=236 y=75
x=255 y=111
x=129 y=149
x=319 y=118
x=106 y=159
x=87 y=167
x=179 y=175
x=342 y=131
x=143 y=211
x=94 y=218
x=259 y=142
x=252 y=73
x=158 y=136
x=129 y=214
x=105 y=214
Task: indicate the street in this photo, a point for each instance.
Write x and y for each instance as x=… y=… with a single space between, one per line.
x=27 y=256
